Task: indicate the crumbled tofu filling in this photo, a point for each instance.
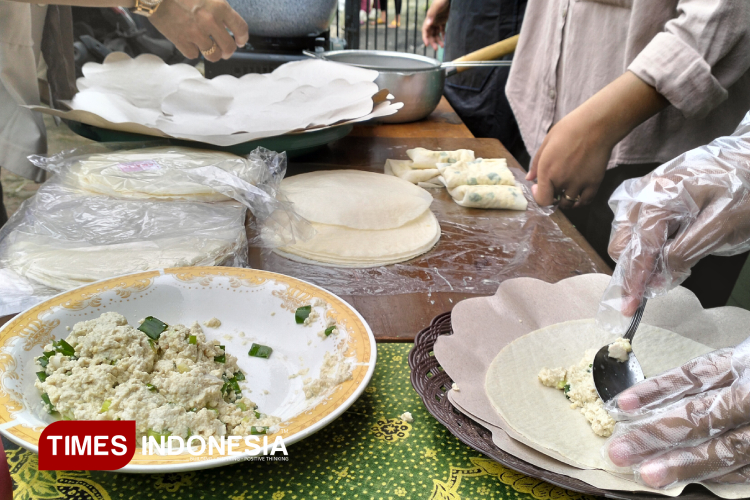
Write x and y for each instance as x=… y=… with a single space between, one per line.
x=171 y=385
x=577 y=383
x=619 y=349
x=212 y=323
x=406 y=417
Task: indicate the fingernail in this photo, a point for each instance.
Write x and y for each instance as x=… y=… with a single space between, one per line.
x=654 y=474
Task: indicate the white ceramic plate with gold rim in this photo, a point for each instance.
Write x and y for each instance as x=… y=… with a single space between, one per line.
x=259 y=303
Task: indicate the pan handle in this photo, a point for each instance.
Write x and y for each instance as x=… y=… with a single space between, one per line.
x=494 y=51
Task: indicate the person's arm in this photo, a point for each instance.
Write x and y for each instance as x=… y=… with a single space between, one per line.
x=433 y=27
x=194 y=26
x=574 y=154
x=699 y=55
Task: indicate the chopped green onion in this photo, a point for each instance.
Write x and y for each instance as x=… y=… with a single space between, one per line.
x=222 y=358
x=113 y=362
x=192 y=340
x=42 y=376
x=190 y=433
x=63 y=348
x=330 y=330
x=43 y=360
x=152 y=387
x=152 y=344
x=260 y=351
x=105 y=406
x=242 y=405
x=561 y=384
x=302 y=313
x=239 y=376
x=236 y=387
x=216 y=410
x=255 y=430
x=160 y=436
x=48 y=405
x=153 y=327
x=257 y=414
x=566 y=388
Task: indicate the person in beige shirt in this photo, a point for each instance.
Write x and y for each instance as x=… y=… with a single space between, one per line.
x=606 y=90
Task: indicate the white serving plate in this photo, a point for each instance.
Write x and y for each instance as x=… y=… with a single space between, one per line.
x=259 y=303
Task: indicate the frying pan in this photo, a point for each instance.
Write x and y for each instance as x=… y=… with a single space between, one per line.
x=416 y=80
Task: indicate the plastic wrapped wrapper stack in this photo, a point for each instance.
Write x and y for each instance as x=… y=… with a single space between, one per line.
x=477 y=250
x=688 y=424
x=109 y=212
x=695 y=205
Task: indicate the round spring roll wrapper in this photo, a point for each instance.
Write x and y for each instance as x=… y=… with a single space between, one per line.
x=540 y=416
x=340 y=246
x=355 y=199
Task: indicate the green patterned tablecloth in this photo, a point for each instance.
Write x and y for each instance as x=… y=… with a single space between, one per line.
x=367 y=453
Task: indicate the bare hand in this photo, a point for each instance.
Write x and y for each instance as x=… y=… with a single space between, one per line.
x=433 y=28
x=194 y=26
x=571 y=162
x=574 y=155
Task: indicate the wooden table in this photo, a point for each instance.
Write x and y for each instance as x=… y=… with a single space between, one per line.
x=400 y=317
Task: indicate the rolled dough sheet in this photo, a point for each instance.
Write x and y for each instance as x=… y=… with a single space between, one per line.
x=404 y=170
x=341 y=246
x=424 y=158
x=498 y=197
x=355 y=199
x=489 y=172
x=541 y=417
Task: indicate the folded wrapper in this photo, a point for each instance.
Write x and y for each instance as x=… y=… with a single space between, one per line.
x=483 y=326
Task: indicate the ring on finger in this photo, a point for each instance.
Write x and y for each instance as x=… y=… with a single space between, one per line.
x=211 y=50
x=574 y=200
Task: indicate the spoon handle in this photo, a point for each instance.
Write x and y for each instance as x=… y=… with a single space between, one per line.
x=635 y=321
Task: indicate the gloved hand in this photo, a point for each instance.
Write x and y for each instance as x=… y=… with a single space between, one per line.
x=695 y=205
x=688 y=424
x=196 y=26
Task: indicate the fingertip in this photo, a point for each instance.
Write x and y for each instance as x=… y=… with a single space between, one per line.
x=630 y=306
x=654 y=474
x=620 y=452
x=628 y=401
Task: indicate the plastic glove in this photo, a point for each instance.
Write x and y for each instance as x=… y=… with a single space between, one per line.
x=688 y=424
x=695 y=205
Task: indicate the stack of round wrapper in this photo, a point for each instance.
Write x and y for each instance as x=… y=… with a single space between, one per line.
x=361 y=219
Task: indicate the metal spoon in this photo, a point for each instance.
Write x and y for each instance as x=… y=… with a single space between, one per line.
x=611 y=376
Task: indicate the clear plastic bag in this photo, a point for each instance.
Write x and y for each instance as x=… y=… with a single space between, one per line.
x=114 y=209
x=60 y=239
x=159 y=171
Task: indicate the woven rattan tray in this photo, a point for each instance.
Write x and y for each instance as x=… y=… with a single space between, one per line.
x=432 y=385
